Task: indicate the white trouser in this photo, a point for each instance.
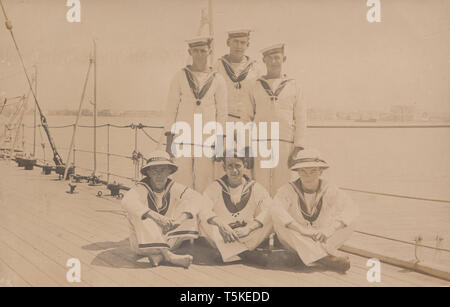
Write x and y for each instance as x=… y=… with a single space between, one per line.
x=147 y=238
x=307 y=249
x=229 y=251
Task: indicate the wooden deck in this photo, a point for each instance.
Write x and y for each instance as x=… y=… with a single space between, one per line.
x=42 y=226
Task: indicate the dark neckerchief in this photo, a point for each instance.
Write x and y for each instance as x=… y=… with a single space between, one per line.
x=246 y=193
x=151 y=198
x=198 y=93
x=232 y=74
x=310 y=217
x=273 y=95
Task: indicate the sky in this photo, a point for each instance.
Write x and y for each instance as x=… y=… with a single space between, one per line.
x=341 y=61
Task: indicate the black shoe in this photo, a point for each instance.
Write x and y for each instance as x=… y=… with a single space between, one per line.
x=339 y=264
x=255 y=257
x=284 y=258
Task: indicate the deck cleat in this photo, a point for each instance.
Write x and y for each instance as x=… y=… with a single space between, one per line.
x=60 y=169
x=29 y=164
x=115 y=190
x=47 y=169
x=94 y=180
x=72 y=188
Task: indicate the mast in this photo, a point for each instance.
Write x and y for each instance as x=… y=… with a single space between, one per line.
x=56 y=157
x=78 y=118
x=35 y=112
x=95 y=107
x=211 y=28
x=207 y=19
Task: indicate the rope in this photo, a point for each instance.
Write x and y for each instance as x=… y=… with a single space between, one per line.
x=101 y=172
x=398 y=196
x=52 y=127
x=152 y=127
x=149 y=136
x=105 y=153
x=56 y=157
x=4 y=104
x=141 y=126
x=97 y=126
x=401 y=241
x=116 y=126
x=10 y=104
x=381 y=126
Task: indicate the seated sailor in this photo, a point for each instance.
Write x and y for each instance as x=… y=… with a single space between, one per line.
x=238 y=219
x=161 y=212
x=313 y=217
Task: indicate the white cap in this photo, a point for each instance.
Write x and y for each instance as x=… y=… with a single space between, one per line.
x=159 y=157
x=273 y=49
x=239 y=33
x=199 y=41
x=308 y=158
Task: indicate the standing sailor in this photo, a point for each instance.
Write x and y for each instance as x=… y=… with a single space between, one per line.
x=276 y=98
x=313 y=217
x=238 y=70
x=161 y=212
x=195 y=89
x=238 y=220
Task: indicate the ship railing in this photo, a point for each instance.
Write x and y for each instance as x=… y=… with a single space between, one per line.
x=138 y=160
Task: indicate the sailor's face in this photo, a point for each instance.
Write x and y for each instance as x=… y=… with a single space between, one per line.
x=310 y=174
x=158 y=176
x=274 y=61
x=234 y=168
x=238 y=45
x=200 y=53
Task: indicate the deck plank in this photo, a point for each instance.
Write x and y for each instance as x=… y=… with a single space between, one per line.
x=10 y=278
x=54 y=270
x=60 y=255
x=103 y=262
x=32 y=274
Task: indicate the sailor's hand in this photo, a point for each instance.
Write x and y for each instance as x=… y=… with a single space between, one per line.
x=227 y=233
x=165 y=223
x=242 y=231
x=319 y=237
x=180 y=220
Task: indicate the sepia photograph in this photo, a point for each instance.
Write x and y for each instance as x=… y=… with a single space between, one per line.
x=211 y=145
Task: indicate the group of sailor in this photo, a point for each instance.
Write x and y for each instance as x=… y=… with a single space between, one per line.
x=234 y=206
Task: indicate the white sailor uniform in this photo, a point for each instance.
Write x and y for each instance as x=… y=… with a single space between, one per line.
x=277 y=100
x=146 y=236
x=254 y=204
x=238 y=77
x=203 y=93
x=330 y=208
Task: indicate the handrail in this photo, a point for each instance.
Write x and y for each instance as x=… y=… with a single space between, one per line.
x=344 y=126
x=136 y=155
x=402 y=241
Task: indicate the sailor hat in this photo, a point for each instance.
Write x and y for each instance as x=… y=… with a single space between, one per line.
x=308 y=158
x=199 y=41
x=273 y=49
x=239 y=33
x=159 y=157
